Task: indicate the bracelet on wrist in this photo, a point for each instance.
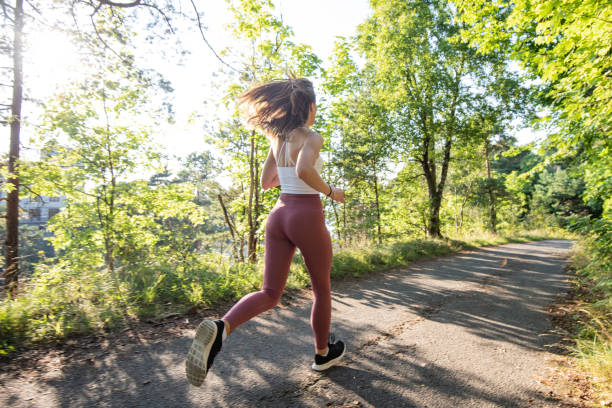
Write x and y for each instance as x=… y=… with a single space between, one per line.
x=330 y=191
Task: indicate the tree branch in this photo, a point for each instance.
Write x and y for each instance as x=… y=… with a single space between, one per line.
x=206 y=41
x=4 y=5
x=226 y=215
x=106 y=46
x=6 y=15
x=33 y=192
x=414 y=177
x=160 y=11
x=36 y=9
x=111 y=3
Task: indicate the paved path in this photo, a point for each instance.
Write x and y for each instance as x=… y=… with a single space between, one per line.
x=468 y=330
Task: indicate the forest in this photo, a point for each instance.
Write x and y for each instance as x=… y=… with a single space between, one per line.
x=419 y=111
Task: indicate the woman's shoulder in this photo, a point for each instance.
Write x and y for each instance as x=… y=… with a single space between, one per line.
x=308 y=135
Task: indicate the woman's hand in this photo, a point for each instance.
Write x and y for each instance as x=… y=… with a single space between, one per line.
x=337 y=194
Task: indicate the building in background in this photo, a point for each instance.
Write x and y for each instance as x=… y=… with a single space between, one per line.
x=38 y=210
x=34 y=213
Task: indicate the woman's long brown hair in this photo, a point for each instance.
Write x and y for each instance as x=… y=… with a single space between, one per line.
x=279 y=106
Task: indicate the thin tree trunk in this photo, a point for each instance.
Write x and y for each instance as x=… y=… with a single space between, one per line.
x=109 y=197
x=252 y=255
x=241 y=248
x=469 y=189
x=257 y=204
x=338 y=229
x=11 y=270
x=377 y=208
x=456 y=216
x=231 y=227
x=344 y=219
x=492 y=211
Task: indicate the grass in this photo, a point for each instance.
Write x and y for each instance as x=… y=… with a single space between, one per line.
x=360 y=260
x=60 y=302
x=593 y=314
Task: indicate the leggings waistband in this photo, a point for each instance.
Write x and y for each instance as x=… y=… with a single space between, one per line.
x=287 y=197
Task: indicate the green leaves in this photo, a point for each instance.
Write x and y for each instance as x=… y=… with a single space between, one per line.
x=271 y=53
x=566 y=44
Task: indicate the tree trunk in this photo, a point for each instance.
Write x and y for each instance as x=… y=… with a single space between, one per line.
x=433 y=227
x=377 y=209
x=257 y=206
x=103 y=219
x=11 y=269
x=491 y=194
x=109 y=197
x=427 y=159
x=466 y=196
x=344 y=220
x=456 y=216
x=337 y=218
x=435 y=196
x=252 y=218
x=231 y=227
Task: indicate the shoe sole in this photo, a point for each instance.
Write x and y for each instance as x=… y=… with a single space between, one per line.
x=330 y=363
x=197 y=358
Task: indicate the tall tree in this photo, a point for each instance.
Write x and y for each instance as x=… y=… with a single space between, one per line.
x=429 y=82
x=11 y=268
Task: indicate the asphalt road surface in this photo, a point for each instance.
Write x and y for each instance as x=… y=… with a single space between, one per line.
x=467 y=330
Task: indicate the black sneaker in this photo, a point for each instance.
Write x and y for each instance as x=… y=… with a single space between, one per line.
x=206 y=344
x=335 y=352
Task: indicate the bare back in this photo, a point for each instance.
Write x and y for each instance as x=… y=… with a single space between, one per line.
x=286 y=151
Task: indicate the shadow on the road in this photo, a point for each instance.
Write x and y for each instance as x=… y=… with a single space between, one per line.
x=391 y=379
x=274 y=352
x=504 y=302
x=134 y=375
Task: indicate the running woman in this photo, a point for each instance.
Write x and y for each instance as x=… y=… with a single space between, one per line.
x=284 y=110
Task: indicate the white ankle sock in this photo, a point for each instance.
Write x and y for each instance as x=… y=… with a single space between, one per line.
x=224 y=334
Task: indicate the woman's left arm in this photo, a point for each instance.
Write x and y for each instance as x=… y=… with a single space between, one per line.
x=269 y=174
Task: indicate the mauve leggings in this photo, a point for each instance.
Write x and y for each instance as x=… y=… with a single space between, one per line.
x=296 y=221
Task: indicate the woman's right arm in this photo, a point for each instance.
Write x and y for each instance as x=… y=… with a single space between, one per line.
x=306 y=170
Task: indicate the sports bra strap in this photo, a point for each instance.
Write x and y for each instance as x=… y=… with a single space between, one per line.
x=288 y=161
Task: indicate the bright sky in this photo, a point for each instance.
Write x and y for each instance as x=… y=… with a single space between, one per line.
x=316 y=23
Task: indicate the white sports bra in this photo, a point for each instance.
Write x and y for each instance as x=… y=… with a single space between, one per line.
x=287 y=175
